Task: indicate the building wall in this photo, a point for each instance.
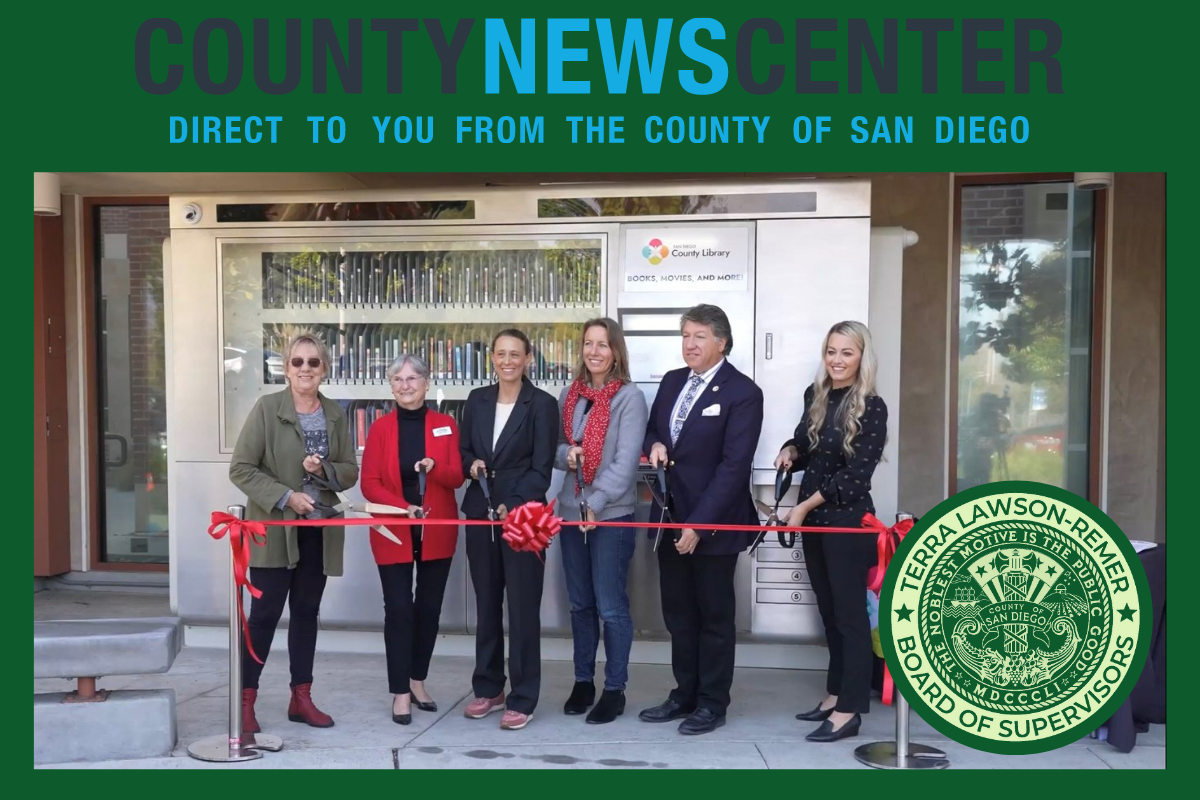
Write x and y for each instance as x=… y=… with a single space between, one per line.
x=1137 y=356
x=921 y=203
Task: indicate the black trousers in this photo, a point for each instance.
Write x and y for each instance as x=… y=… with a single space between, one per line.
x=301 y=588
x=410 y=618
x=497 y=569
x=699 y=604
x=837 y=565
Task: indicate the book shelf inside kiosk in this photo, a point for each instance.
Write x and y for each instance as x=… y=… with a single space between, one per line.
x=442 y=287
x=372 y=301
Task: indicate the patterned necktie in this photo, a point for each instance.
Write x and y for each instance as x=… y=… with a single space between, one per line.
x=688 y=399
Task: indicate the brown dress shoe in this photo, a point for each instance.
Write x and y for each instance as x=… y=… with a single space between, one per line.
x=249 y=722
x=302 y=709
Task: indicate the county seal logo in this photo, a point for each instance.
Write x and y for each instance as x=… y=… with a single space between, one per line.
x=1015 y=617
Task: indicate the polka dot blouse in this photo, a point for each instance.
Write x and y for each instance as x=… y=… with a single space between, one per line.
x=845 y=483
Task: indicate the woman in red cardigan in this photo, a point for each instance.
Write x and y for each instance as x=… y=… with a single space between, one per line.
x=411 y=439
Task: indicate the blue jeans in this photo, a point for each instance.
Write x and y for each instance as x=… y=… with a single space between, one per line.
x=596 y=575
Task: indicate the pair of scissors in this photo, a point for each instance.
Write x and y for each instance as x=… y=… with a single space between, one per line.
x=349 y=510
x=421 y=511
x=583 y=508
x=663 y=497
x=487 y=496
x=787 y=539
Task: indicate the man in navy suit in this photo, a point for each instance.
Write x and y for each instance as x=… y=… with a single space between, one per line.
x=705 y=422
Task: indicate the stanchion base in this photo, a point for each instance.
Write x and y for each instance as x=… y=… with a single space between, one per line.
x=216 y=748
x=882 y=755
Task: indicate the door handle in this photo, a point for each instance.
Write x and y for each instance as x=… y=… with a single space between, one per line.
x=770 y=345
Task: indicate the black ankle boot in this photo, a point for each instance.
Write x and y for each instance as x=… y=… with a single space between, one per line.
x=581 y=699
x=611 y=706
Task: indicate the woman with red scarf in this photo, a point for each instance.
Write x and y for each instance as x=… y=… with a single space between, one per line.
x=603 y=424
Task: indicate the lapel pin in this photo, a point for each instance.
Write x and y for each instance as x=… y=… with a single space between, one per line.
x=716 y=389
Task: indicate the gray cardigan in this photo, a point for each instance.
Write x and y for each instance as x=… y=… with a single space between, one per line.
x=612 y=493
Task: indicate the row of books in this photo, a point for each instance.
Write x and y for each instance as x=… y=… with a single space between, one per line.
x=455 y=353
x=362 y=414
x=538 y=277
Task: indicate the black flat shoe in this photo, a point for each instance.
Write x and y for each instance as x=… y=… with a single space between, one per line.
x=581 y=699
x=611 y=706
x=430 y=706
x=401 y=719
x=826 y=733
x=818 y=714
x=702 y=720
x=666 y=712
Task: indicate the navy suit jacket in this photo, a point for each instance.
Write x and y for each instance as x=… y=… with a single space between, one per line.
x=710 y=479
x=523 y=456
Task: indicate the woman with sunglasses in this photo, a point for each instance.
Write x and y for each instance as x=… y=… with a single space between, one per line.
x=412 y=461
x=293 y=453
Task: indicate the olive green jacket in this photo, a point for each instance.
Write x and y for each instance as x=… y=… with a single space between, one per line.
x=268 y=459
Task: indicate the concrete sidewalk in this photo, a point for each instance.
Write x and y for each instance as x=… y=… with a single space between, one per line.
x=761 y=732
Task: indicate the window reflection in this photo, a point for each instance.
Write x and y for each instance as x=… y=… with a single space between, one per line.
x=1025 y=330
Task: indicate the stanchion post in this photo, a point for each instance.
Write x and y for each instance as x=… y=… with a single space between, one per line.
x=234 y=746
x=901 y=754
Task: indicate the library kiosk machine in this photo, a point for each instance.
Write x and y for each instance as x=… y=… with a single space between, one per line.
x=439 y=272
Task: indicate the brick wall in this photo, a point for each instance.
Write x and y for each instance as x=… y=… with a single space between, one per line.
x=146 y=227
x=992 y=212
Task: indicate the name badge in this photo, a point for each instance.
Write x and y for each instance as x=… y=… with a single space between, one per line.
x=443 y=431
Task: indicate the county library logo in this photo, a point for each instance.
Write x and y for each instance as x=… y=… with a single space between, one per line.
x=1018 y=617
x=655 y=251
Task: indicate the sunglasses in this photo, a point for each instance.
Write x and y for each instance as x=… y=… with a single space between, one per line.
x=313 y=363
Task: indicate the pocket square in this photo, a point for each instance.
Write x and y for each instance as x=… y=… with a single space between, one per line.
x=712 y=411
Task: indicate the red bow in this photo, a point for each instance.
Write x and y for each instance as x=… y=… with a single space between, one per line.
x=885 y=549
x=529 y=528
x=241 y=534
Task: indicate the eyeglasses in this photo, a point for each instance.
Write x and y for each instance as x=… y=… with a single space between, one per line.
x=313 y=363
x=411 y=380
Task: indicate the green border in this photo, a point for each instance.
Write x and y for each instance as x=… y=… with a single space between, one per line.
x=935 y=719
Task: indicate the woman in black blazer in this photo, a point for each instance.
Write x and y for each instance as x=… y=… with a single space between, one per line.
x=509 y=436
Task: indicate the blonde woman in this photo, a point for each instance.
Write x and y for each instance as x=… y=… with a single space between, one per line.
x=838 y=444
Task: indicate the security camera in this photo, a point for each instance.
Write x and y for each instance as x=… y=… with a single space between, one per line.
x=192 y=214
x=1093 y=181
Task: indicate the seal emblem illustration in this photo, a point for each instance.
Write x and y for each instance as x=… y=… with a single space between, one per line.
x=1016 y=619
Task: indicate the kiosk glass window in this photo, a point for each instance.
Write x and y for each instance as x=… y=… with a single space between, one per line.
x=131 y=353
x=1026 y=277
x=371 y=300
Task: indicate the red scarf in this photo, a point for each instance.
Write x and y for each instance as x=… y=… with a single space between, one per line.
x=596 y=427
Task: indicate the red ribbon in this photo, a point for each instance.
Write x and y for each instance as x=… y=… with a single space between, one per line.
x=241 y=534
x=885 y=548
x=529 y=528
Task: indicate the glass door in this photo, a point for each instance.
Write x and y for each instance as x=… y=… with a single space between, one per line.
x=1026 y=270
x=130 y=357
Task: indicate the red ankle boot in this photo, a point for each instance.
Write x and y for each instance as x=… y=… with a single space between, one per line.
x=301 y=709
x=249 y=722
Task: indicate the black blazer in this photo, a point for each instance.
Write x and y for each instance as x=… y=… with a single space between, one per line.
x=523 y=460
x=710 y=481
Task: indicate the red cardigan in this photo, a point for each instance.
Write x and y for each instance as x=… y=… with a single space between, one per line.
x=380 y=483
